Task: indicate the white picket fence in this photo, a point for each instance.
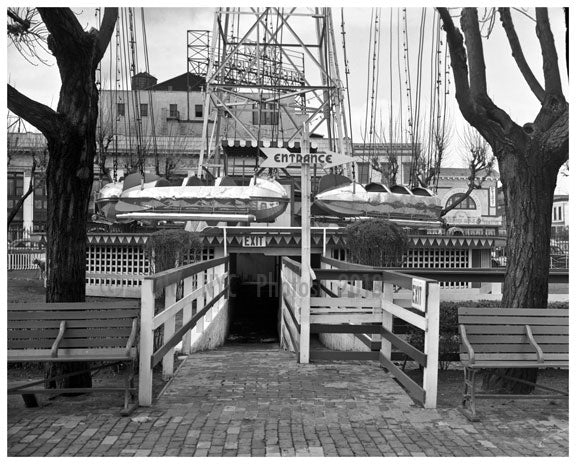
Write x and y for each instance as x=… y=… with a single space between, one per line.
x=19 y=260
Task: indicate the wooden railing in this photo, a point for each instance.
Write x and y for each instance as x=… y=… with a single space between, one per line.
x=204 y=295
x=290 y=304
x=349 y=307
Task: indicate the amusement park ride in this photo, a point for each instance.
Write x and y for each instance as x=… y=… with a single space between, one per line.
x=276 y=64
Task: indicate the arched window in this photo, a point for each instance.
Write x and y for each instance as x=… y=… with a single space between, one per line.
x=467 y=203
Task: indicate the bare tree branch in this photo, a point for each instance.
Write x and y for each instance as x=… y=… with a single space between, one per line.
x=27 y=33
x=45 y=119
x=65 y=29
x=475 y=51
x=459 y=64
x=518 y=54
x=106 y=31
x=552 y=82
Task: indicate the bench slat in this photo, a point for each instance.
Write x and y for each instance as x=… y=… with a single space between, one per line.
x=491 y=364
x=515 y=338
x=70 y=355
x=78 y=315
x=514 y=311
x=515 y=356
x=69 y=343
x=518 y=348
x=51 y=323
x=493 y=319
x=517 y=329
x=70 y=333
x=85 y=306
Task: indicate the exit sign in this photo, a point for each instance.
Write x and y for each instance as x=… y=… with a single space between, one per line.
x=419 y=294
x=250 y=241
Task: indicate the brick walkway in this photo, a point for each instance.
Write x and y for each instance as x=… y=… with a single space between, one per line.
x=257 y=401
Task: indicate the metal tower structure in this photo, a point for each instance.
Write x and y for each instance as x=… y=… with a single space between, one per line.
x=270 y=72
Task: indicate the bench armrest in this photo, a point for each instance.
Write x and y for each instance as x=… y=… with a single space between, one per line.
x=533 y=342
x=467 y=344
x=59 y=337
x=132 y=336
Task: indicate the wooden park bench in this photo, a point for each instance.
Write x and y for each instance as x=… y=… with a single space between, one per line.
x=96 y=332
x=511 y=338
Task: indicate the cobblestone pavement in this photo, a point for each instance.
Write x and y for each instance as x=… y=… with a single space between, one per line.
x=258 y=401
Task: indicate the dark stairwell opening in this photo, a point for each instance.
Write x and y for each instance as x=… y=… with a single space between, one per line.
x=254 y=299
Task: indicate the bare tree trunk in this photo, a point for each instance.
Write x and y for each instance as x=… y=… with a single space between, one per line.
x=528 y=250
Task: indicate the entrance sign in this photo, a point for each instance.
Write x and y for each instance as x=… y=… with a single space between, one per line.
x=282 y=157
x=419 y=294
x=254 y=241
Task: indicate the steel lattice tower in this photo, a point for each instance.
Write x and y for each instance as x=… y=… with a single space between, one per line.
x=270 y=70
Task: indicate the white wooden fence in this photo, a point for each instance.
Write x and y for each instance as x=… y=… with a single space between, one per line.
x=183 y=318
x=346 y=306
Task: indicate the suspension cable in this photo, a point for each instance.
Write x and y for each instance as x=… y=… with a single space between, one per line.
x=150 y=99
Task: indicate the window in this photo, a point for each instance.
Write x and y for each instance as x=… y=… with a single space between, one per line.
x=559 y=213
x=467 y=203
x=554 y=218
x=266 y=115
x=15 y=192
x=198 y=111
x=363 y=171
x=173 y=111
x=40 y=203
x=143 y=110
x=120 y=109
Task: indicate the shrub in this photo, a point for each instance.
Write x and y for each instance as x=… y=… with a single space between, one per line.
x=376 y=242
x=167 y=248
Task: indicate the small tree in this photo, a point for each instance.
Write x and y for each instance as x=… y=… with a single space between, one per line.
x=480 y=163
x=376 y=242
x=167 y=248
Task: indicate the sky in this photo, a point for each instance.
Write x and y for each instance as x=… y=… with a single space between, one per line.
x=166 y=30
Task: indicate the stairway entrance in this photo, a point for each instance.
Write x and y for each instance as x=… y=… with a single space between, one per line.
x=254 y=302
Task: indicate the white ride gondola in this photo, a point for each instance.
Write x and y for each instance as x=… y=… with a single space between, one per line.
x=263 y=200
x=343 y=198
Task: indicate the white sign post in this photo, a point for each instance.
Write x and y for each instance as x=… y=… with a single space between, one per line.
x=305 y=277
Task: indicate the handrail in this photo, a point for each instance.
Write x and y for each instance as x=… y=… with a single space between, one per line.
x=165 y=278
x=195 y=289
x=434 y=274
x=377 y=273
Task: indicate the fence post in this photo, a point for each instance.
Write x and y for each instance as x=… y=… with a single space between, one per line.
x=187 y=314
x=304 y=289
x=377 y=292
x=431 y=345
x=387 y=318
x=169 y=329
x=146 y=343
x=200 y=302
x=281 y=305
